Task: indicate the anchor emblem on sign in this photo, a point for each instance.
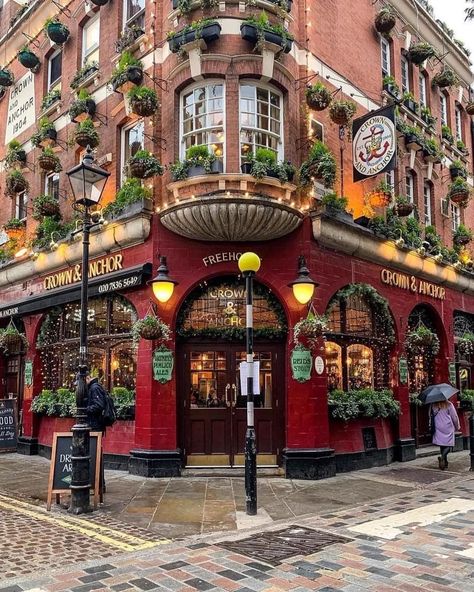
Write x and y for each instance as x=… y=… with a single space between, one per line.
x=374 y=148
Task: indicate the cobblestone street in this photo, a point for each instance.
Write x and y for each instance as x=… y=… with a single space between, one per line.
x=399 y=528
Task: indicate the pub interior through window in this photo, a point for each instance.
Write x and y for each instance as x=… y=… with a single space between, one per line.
x=111 y=354
x=357 y=345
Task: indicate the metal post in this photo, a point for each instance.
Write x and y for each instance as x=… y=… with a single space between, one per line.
x=250 y=437
x=471 y=439
x=80 y=458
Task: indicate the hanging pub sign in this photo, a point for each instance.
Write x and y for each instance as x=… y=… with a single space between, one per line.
x=28 y=372
x=301 y=364
x=374 y=144
x=452 y=373
x=403 y=370
x=163 y=362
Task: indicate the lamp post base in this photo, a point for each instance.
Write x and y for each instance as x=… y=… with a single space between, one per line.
x=251 y=471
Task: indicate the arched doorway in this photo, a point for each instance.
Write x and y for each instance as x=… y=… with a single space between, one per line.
x=421 y=371
x=211 y=407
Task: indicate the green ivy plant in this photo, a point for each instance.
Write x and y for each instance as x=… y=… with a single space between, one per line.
x=51 y=97
x=131 y=192
x=15 y=153
x=150 y=325
x=320 y=164
x=368 y=403
x=150 y=164
x=334 y=203
x=422 y=341
x=465 y=344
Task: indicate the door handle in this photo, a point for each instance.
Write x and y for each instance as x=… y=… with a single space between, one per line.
x=226 y=391
x=234 y=399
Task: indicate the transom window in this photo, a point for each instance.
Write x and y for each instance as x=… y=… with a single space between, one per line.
x=91 y=41
x=202 y=117
x=134 y=13
x=260 y=119
x=54 y=71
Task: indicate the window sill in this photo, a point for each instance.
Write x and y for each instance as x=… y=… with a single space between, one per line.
x=93 y=78
x=54 y=107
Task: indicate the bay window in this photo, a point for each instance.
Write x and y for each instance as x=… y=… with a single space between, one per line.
x=261 y=123
x=202 y=118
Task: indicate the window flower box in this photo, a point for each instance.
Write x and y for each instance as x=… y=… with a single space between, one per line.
x=128 y=37
x=249 y=32
x=198 y=170
x=85 y=75
x=207 y=32
x=456 y=170
x=392 y=90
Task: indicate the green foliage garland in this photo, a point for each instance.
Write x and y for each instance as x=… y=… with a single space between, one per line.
x=362 y=403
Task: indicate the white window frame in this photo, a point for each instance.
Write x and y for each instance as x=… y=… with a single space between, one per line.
x=443 y=107
x=128 y=22
x=47 y=178
x=123 y=135
x=422 y=89
x=191 y=88
x=57 y=83
x=85 y=57
x=458 y=121
x=427 y=203
x=385 y=57
x=410 y=186
x=313 y=125
x=455 y=216
x=405 y=74
x=281 y=142
x=24 y=195
x=390 y=179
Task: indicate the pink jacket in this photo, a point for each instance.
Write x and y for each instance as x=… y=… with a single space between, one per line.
x=446 y=424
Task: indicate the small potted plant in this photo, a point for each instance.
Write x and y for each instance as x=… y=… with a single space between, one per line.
x=16 y=182
x=56 y=31
x=83 y=107
x=385 y=20
x=264 y=163
x=258 y=30
x=409 y=102
x=447 y=134
x=199 y=161
x=128 y=37
x=425 y=114
x=318 y=97
x=28 y=59
x=403 y=207
x=143 y=101
x=14 y=228
x=456 y=169
x=462 y=235
x=432 y=151
x=12 y=341
x=335 y=206
x=320 y=164
x=381 y=195
x=83 y=74
x=462 y=147
x=445 y=78
x=419 y=52
x=86 y=134
x=6 y=77
x=150 y=327
x=50 y=98
x=45 y=205
x=48 y=161
x=413 y=138
x=15 y=154
x=459 y=192
x=127 y=73
x=46 y=134
x=208 y=30
x=143 y=165
x=132 y=197
x=309 y=330
x=247 y=164
x=342 y=112
x=390 y=85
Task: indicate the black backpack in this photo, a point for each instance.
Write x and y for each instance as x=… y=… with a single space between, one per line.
x=109 y=414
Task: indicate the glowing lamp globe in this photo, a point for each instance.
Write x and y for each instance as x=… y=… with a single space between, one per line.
x=303 y=287
x=249 y=262
x=162 y=285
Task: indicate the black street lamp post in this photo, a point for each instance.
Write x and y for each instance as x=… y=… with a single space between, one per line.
x=87 y=184
x=249 y=264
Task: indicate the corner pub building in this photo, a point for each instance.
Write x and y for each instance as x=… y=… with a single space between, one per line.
x=236 y=86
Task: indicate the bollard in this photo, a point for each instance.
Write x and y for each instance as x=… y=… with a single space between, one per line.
x=471 y=440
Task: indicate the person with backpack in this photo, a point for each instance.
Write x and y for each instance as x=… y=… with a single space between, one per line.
x=100 y=406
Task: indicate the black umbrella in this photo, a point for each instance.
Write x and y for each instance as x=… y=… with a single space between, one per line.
x=437 y=392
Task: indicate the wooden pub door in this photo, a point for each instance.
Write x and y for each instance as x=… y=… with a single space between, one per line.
x=213 y=410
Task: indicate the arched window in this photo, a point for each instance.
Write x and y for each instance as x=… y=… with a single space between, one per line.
x=359 y=337
x=421 y=367
x=202 y=118
x=111 y=355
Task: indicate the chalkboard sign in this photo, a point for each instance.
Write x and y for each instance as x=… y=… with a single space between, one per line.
x=8 y=425
x=60 y=470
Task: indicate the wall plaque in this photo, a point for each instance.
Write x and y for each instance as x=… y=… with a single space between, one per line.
x=301 y=363
x=403 y=370
x=319 y=365
x=163 y=362
x=28 y=372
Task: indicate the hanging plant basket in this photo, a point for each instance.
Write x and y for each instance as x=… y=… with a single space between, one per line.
x=419 y=52
x=49 y=208
x=16 y=184
x=48 y=163
x=99 y=2
x=57 y=32
x=318 y=97
x=470 y=108
x=341 y=112
x=460 y=197
x=6 y=77
x=402 y=210
x=144 y=106
x=309 y=330
x=385 y=20
x=445 y=78
x=12 y=341
x=81 y=110
x=28 y=59
x=461 y=240
x=138 y=169
x=15 y=233
x=151 y=328
x=422 y=341
x=465 y=345
x=84 y=139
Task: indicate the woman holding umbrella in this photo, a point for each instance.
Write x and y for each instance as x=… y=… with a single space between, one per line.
x=444 y=419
